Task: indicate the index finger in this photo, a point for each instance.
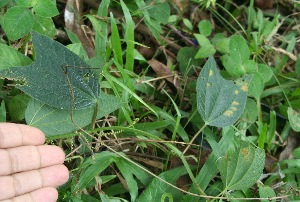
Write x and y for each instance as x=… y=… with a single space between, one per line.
x=15 y=135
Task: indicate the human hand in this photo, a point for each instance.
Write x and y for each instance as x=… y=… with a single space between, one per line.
x=29 y=170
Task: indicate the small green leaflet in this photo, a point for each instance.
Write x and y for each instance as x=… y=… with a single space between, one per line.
x=242 y=167
x=46 y=79
x=220 y=102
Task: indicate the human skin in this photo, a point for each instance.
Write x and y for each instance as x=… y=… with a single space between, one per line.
x=29 y=170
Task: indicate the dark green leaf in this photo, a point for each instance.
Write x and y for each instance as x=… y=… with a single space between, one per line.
x=186 y=60
x=51 y=82
x=220 y=101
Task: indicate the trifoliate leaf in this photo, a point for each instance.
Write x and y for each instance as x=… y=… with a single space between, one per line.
x=238 y=54
x=220 y=101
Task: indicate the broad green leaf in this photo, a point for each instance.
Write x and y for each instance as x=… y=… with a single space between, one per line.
x=78 y=49
x=45 y=8
x=156 y=189
x=10 y=57
x=206 y=48
x=187 y=23
x=220 y=101
x=160 y=12
x=221 y=42
x=17 y=22
x=256 y=86
x=242 y=167
x=251 y=112
x=25 y=3
x=205 y=51
x=202 y=40
x=296 y=153
x=294 y=118
x=205 y=27
x=265 y=71
x=44 y=26
x=250 y=66
x=53 y=121
x=51 y=82
x=238 y=54
x=267 y=192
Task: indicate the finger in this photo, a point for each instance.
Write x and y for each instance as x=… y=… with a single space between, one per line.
x=14 y=135
x=47 y=194
x=26 y=158
x=26 y=182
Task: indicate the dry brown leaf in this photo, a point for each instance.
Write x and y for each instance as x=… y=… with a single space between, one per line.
x=164 y=72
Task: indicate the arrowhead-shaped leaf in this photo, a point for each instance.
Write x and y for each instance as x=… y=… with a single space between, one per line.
x=220 y=101
x=241 y=168
x=47 y=78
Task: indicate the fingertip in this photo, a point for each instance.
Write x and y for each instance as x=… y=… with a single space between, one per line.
x=32 y=135
x=64 y=176
x=46 y=194
x=15 y=135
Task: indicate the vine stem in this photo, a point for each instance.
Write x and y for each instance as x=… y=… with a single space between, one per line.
x=195 y=136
